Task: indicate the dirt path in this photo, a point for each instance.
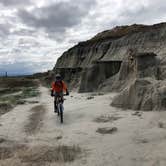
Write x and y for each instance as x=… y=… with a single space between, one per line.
x=139 y=138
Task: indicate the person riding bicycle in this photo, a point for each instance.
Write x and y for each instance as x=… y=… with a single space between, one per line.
x=58 y=87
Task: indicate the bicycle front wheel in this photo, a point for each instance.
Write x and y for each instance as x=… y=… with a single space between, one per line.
x=61 y=112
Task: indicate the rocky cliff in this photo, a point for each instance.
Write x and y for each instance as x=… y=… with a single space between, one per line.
x=112 y=45
x=94 y=64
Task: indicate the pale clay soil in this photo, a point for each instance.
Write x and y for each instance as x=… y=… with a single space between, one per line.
x=140 y=139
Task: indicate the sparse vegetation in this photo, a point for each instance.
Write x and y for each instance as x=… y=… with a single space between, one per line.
x=25 y=93
x=61 y=153
x=39 y=155
x=7 y=91
x=17 y=82
x=5 y=107
x=7 y=102
x=29 y=92
x=14 y=91
x=7 y=152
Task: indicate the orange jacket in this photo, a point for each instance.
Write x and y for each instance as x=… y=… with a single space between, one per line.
x=59 y=86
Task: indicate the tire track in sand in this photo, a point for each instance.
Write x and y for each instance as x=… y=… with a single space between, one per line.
x=35 y=121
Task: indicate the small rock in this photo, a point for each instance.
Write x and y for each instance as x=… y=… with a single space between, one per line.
x=90 y=97
x=2 y=140
x=137 y=113
x=107 y=130
x=59 y=137
x=160 y=124
x=21 y=102
x=144 y=141
x=33 y=102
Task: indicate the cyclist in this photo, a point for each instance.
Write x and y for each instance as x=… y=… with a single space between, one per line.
x=58 y=87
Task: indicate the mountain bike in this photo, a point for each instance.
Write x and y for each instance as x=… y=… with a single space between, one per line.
x=58 y=105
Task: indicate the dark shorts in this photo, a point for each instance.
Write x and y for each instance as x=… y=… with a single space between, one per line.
x=58 y=94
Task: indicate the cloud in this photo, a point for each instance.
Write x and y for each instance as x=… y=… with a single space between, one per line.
x=58 y=17
x=35 y=33
x=4 y=30
x=15 y=2
x=24 y=32
x=145 y=12
x=27 y=54
x=119 y=12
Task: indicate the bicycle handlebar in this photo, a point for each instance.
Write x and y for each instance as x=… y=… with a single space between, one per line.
x=62 y=95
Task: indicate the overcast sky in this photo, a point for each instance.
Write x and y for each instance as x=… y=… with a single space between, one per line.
x=34 y=33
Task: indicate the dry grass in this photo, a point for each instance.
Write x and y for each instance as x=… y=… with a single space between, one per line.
x=20 y=154
x=61 y=153
x=106 y=118
x=7 y=103
x=8 y=90
x=107 y=130
x=7 y=152
x=35 y=120
x=17 y=82
x=11 y=162
x=5 y=107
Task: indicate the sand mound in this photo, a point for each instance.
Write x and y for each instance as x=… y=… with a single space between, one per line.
x=143 y=94
x=141 y=83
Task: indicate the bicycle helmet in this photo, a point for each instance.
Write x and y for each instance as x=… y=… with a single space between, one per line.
x=58 y=77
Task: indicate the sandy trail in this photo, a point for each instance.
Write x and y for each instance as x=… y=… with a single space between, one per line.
x=139 y=141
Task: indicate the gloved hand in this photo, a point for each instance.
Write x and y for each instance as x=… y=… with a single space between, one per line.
x=67 y=93
x=52 y=93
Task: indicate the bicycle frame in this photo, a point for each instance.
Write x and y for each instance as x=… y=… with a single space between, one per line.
x=60 y=108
